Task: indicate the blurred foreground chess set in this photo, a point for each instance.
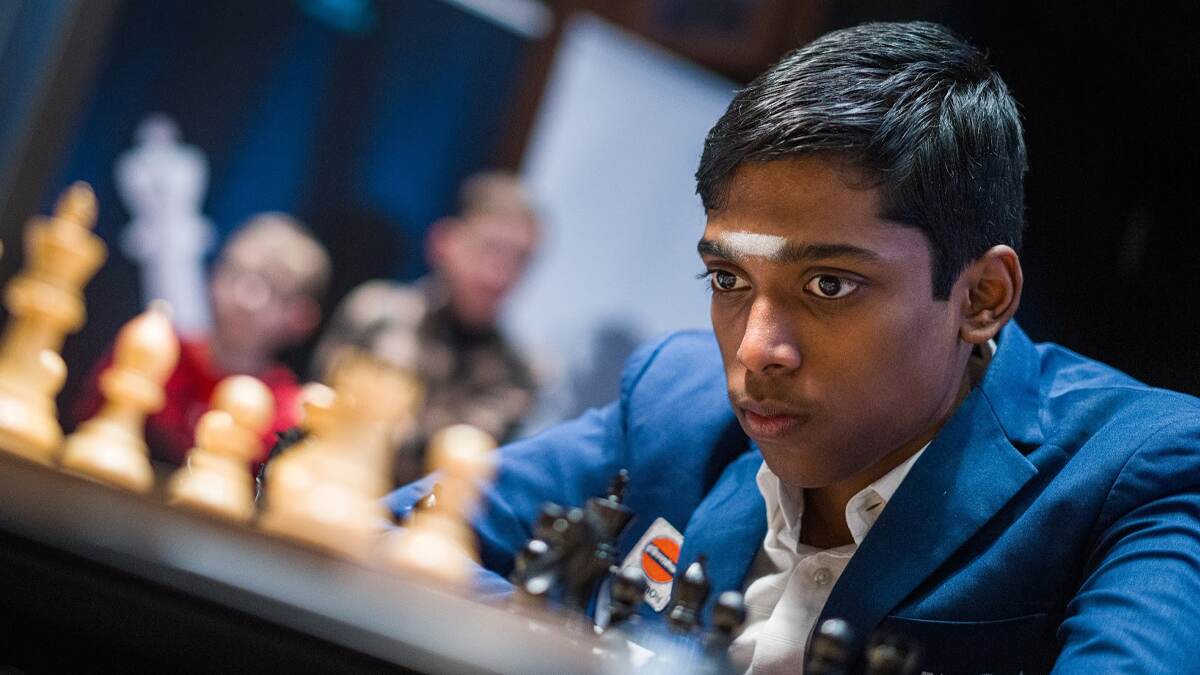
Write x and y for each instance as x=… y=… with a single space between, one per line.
x=313 y=549
x=325 y=489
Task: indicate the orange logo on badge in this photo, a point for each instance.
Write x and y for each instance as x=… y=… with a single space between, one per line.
x=659 y=559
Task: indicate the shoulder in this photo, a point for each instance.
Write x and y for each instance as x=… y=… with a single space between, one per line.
x=676 y=385
x=678 y=427
x=1136 y=442
x=1084 y=399
x=679 y=358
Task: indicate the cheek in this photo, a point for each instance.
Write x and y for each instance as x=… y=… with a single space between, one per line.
x=729 y=327
x=223 y=304
x=903 y=370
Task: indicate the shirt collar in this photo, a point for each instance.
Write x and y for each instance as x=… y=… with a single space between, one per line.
x=785 y=504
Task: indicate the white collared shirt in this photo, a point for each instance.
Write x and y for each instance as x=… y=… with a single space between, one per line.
x=789 y=582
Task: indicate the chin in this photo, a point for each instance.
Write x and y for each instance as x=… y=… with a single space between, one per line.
x=478 y=320
x=245 y=343
x=796 y=471
x=807 y=467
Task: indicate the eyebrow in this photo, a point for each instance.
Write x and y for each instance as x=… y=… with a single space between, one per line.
x=791 y=252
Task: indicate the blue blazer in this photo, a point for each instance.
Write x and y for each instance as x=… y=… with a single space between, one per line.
x=1053 y=523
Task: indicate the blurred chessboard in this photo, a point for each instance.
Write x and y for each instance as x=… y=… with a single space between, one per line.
x=97 y=580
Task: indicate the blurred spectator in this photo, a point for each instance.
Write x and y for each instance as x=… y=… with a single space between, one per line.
x=265 y=293
x=443 y=326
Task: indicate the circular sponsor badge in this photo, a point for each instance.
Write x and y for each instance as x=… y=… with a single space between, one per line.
x=659 y=558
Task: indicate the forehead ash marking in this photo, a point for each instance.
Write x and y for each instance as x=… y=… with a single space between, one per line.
x=754 y=244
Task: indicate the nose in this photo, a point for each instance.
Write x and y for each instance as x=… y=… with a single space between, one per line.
x=251 y=292
x=768 y=345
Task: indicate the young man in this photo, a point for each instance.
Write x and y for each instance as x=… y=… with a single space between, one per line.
x=444 y=326
x=869 y=436
x=265 y=293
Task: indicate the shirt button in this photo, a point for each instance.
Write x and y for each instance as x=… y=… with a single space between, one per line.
x=822 y=576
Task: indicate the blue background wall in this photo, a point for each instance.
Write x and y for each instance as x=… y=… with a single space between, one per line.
x=360 y=117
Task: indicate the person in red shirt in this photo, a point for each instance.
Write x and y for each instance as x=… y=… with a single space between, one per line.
x=265 y=292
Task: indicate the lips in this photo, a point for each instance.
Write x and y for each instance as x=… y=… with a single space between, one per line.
x=766 y=422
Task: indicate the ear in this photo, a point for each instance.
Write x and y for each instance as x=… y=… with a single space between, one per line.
x=993 y=291
x=438 y=240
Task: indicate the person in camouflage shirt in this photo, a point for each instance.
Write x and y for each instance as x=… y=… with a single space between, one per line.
x=443 y=327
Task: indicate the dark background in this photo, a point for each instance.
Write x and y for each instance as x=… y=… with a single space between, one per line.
x=363 y=121
x=1111 y=262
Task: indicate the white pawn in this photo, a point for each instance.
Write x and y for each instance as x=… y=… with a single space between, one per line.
x=439 y=542
x=110 y=447
x=325 y=491
x=292 y=476
x=217 y=477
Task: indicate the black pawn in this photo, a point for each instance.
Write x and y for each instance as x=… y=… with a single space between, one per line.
x=691 y=590
x=891 y=655
x=539 y=548
x=548 y=525
x=627 y=591
x=534 y=550
x=728 y=616
x=283 y=440
x=829 y=651
x=582 y=567
x=537 y=567
x=428 y=501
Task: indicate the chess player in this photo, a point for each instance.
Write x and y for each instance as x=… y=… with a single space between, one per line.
x=265 y=292
x=444 y=325
x=866 y=433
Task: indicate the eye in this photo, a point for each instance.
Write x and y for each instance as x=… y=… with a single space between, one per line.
x=830 y=287
x=723 y=281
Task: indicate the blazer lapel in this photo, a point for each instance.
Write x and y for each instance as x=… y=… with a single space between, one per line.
x=964 y=477
x=728 y=528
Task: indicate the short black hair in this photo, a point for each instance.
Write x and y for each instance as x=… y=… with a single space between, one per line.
x=914 y=107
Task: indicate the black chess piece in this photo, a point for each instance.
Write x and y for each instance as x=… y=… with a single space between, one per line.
x=611 y=511
x=829 y=651
x=535 y=550
x=729 y=613
x=691 y=590
x=425 y=503
x=572 y=549
x=607 y=517
x=536 y=568
x=626 y=593
x=283 y=440
x=537 y=547
x=890 y=654
x=627 y=590
x=584 y=562
x=428 y=501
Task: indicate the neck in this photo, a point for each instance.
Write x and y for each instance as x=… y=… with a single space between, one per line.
x=823 y=523
x=470 y=328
